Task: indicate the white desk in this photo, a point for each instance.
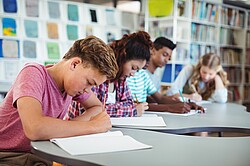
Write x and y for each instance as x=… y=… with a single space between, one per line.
x=218 y=118
x=168 y=149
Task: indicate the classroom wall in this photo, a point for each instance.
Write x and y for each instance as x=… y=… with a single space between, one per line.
x=43 y=30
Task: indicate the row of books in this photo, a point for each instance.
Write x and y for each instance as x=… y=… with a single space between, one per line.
x=234 y=74
x=232 y=17
x=247 y=76
x=202 y=10
x=203 y=33
x=181 y=54
x=247 y=93
x=231 y=56
x=236 y=93
x=156 y=30
x=248 y=40
x=196 y=51
x=247 y=61
x=228 y=36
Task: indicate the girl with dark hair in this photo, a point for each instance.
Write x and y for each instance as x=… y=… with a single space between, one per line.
x=131 y=52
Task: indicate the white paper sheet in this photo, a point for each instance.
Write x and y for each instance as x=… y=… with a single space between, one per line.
x=99 y=143
x=197 y=102
x=152 y=121
x=192 y=112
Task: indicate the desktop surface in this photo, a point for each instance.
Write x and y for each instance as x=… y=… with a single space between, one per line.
x=168 y=149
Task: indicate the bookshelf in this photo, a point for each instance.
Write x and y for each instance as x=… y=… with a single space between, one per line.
x=247 y=65
x=202 y=26
x=43 y=30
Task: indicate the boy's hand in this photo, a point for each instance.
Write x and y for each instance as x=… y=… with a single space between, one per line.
x=196 y=107
x=101 y=122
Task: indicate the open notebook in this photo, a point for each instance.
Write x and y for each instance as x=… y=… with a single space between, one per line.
x=147 y=121
x=99 y=143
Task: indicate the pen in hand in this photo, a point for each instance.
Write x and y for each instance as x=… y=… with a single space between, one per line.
x=136 y=99
x=181 y=96
x=194 y=89
x=104 y=102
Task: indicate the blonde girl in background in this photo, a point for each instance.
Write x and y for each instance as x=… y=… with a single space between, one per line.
x=205 y=81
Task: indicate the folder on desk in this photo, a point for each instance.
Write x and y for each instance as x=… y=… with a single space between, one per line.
x=146 y=121
x=99 y=143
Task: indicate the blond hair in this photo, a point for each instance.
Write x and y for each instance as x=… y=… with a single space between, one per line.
x=212 y=61
x=93 y=51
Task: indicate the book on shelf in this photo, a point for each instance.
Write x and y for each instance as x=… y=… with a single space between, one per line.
x=214 y=14
x=247 y=76
x=231 y=56
x=247 y=93
x=113 y=141
x=233 y=74
x=236 y=93
x=181 y=54
x=247 y=61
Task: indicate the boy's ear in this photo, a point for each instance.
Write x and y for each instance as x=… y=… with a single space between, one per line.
x=153 y=50
x=75 y=61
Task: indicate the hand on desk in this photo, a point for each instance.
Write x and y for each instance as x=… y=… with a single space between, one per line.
x=196 y=107
x=195 y=97
x=178 y=107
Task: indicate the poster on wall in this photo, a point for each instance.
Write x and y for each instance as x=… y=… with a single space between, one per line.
x=9 y=48
x=73 y=13
x=53 y=50
x=32 y=8
x=93 y=15
x=29 y=49
x=54 y=10
x=11 y=70
x=110 y=17
x=72 y=32
x=52 y=29
x=31 y=28
x=10 y=6
x=9 y=26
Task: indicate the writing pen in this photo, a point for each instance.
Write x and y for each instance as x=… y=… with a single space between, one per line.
x=181 y=95
x=194 y=89
x=104 y=102
x=136 y=99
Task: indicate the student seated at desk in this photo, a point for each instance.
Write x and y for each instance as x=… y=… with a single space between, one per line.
x=205 y=81
x=40 y=96
x=160 y=55
x=132 y=52
x=142 y=87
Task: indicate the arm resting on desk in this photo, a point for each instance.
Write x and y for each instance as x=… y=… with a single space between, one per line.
x=173 y=108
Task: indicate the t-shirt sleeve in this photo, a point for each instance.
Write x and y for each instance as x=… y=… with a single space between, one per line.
x=151 y=89
x=29 y=82
x=181 y=80
x=219 y=96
